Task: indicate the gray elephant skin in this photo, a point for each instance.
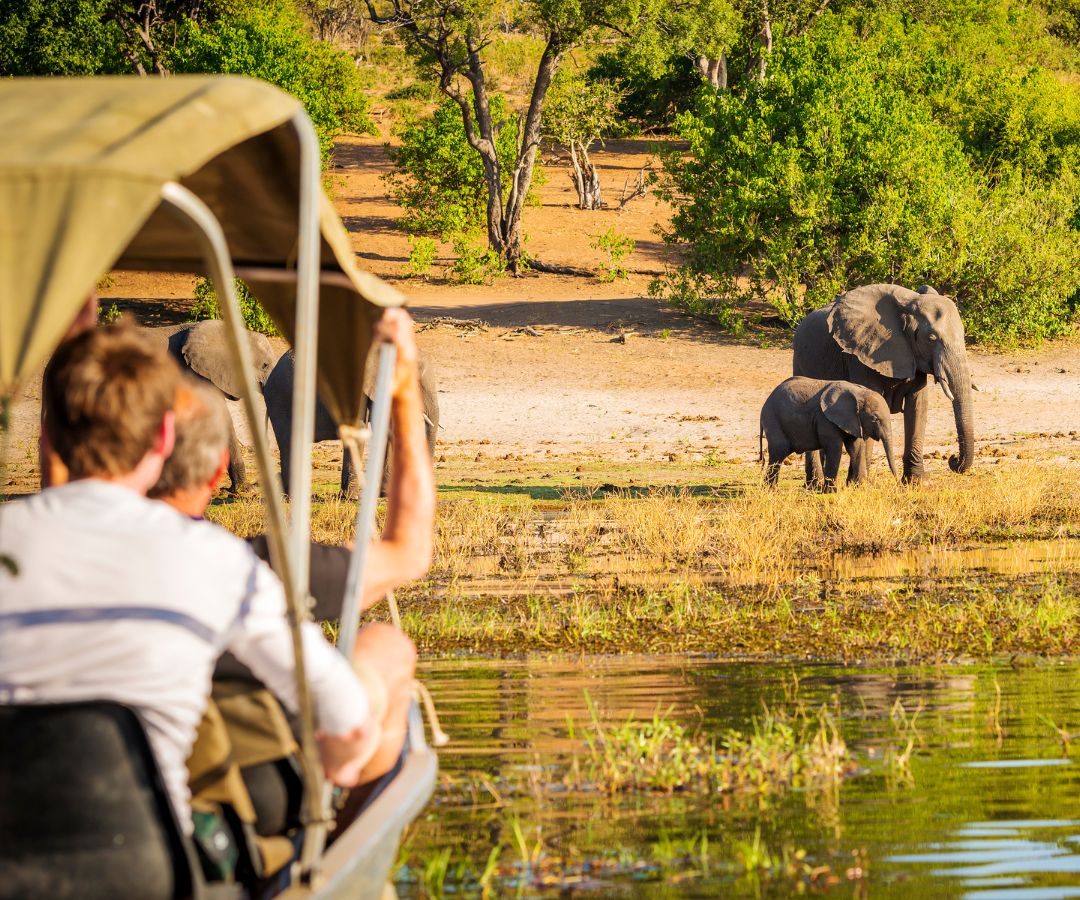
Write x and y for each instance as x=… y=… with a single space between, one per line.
x=806 y=414
x=890 y=339
x=278 y=394
x=202 y=349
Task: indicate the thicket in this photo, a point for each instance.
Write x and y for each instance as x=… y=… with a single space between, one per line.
x=265 y=39
x=886 y=148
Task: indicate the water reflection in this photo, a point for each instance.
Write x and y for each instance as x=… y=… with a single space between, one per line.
x=986 y=812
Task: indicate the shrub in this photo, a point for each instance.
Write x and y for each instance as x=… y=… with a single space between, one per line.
x=57 y=37
x=269 y=41
x=475 y=264
x=617 y=247
x=206 y=307
x=652 y=93
x=422 y=254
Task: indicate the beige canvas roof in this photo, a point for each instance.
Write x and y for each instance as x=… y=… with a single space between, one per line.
x=82 y=163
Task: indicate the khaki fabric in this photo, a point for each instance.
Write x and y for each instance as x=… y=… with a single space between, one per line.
x=242 y=726
x=82 y=164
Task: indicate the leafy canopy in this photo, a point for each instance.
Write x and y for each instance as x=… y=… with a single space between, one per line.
x=881 y=149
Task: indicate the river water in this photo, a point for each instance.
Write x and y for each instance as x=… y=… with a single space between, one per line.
x=962 y=784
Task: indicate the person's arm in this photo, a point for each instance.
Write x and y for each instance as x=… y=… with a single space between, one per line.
x=403 y=552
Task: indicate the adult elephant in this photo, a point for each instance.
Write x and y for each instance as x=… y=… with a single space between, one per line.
x=202 y=349
x=889 y=338
x=278 y=392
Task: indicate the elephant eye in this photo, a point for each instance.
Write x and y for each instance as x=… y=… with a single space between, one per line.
x=933 y=336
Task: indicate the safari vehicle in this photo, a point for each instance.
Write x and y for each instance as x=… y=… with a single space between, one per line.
x=217 y=175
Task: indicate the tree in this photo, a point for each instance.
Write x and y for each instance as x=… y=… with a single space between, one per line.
x=578 y=113
x=451 y=37
x=437 y=177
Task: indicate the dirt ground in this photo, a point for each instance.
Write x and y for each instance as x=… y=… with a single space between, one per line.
x=572 y=366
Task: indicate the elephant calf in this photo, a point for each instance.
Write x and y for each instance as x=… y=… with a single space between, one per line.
x=804 y=415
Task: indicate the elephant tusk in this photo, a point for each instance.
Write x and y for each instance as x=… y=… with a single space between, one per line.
x=945 y=389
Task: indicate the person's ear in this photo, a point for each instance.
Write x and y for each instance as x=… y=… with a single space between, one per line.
x=165 y=441
x=223 y=464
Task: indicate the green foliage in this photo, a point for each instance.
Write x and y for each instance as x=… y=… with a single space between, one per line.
x=422 y=254
x=439 y=179
x=475 y=263
x=652 y=94
x=268 y=41
x=206 y=307
x=617 y=247
x=858 y=160
x=110 y=315
x=58 y=37
x=581 y=110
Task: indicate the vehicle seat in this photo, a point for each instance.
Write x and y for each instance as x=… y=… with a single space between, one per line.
x=83 y=810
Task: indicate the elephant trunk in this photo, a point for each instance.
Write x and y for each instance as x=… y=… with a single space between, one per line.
x=887 y=443
x=951 y=370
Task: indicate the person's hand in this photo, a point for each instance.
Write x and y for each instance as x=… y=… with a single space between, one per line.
x=396 y=327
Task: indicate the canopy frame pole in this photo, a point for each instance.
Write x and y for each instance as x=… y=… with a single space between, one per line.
x=365 y=527
x=369 y=500
x=317 y=792
x=219 y=263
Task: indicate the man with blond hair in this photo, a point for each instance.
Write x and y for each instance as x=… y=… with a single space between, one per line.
x=116 y=596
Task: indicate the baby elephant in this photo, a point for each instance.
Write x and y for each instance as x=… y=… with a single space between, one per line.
x=805 y=414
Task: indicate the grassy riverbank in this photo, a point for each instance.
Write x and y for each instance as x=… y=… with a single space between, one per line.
x=736 y=570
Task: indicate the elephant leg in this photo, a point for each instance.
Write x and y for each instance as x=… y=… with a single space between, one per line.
x=815 y=478
x=350 y=479
x=832 y=449
x=916 y=406
x=856 y=450
x=778 y=452
x=236 y=469
x=285 y=449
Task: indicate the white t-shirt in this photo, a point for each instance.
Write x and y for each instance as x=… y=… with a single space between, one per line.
x=122 y=598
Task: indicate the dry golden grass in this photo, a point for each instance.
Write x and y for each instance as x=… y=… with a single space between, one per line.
x=758 y=537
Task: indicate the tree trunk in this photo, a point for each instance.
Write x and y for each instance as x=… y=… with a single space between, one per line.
x=513 y=248
x=585 y=177
x=714 y=70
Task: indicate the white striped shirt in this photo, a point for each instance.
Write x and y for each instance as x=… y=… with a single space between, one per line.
x=118 y=597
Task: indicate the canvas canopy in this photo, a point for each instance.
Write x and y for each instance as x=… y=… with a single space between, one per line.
x=82 y=165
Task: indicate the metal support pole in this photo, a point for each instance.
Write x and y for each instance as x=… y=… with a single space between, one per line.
x=316 y=812
x=369 y=500
x=216 y=251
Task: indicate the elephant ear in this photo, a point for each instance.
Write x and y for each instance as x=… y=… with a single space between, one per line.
x=841 y=407
x=206 y=351
x=867 y=322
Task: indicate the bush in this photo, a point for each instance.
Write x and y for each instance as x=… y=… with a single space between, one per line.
x=475 y=263
x=58 y=37
x=269 y=41
x=834 y=172
x=439 y=178
x=652 y=94
x=206 y=307
x=422 y=254
x=617 y=247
